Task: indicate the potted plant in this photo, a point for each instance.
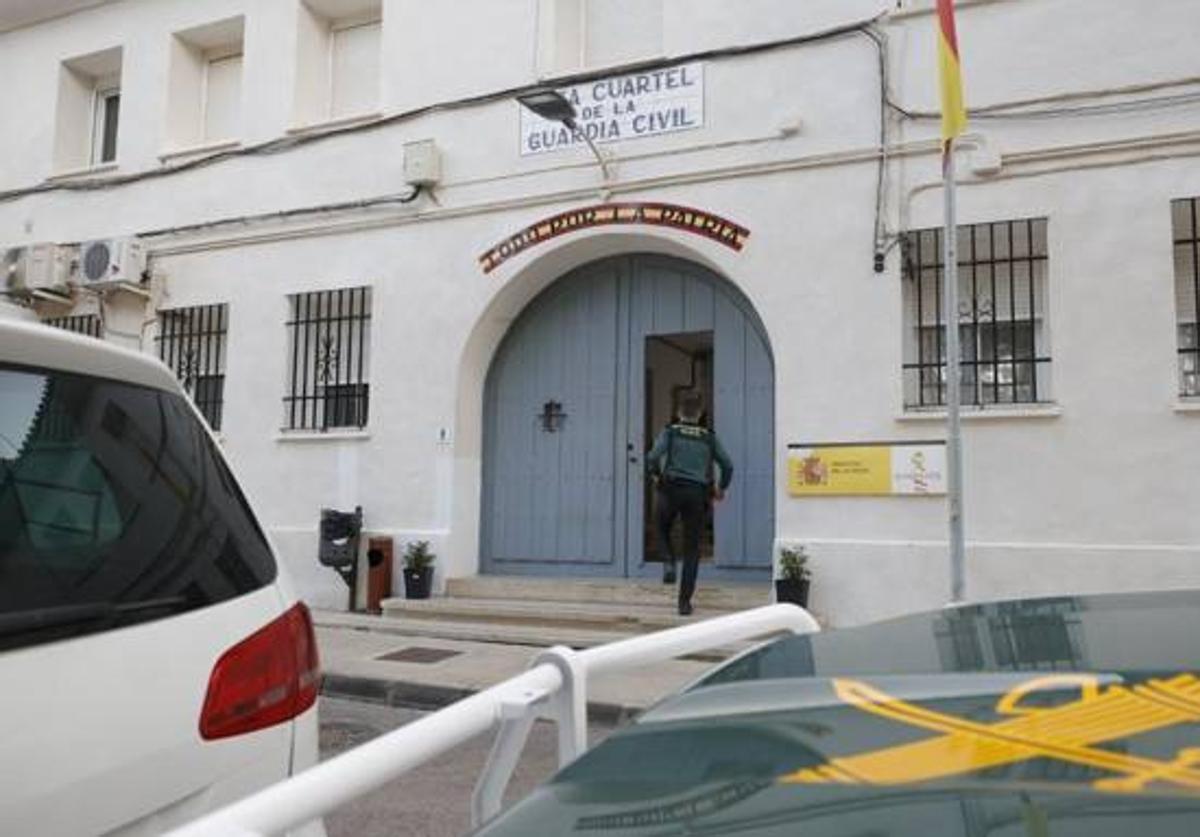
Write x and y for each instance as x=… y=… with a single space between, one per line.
x=794 y=576
x=418 y=570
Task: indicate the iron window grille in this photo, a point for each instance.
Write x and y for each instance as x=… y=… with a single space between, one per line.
x=192 y=342
x=1002 y=325
x=88 y=324
x=329 y=335
x=1185 y=231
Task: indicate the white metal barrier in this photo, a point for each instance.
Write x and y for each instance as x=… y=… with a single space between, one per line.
x=555 y=687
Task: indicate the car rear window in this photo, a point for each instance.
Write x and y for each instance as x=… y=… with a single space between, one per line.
x=115 y=508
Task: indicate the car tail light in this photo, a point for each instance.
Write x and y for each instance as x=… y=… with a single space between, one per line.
x=269 y=677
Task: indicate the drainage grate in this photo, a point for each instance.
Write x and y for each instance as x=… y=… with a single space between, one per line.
x=418 y=654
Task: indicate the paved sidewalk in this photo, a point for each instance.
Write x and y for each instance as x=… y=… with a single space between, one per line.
x=352 y=647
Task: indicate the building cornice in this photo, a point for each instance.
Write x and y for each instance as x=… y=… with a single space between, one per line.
x=1026 y=163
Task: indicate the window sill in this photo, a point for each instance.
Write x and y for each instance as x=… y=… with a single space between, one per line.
x=86 y=171
x=335 y=123
x=340 y=435
x=1031 y=411
x=173 y=154
x=1188 y=405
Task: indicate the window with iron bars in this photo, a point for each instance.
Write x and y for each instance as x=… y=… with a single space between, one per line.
x=88 y=324
x=192 y=342
x=1185 y=229
x=1002 y=325
x=329 y=340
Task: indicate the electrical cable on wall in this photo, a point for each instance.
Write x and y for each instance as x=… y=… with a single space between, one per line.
x=284 y=144
x=287 y=214
x=1044 y=107
x=879 y=245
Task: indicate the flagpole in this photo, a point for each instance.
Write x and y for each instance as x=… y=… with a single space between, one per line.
x=954 y=480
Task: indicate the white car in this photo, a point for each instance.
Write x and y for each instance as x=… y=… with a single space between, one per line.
x=154 y=660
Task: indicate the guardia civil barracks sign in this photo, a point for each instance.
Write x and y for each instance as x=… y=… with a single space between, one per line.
x=695 y=221
x=627 y=107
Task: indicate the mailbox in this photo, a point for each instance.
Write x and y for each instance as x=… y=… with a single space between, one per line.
x=338 y=545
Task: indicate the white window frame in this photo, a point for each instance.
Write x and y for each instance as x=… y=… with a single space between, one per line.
x=105 y=90
x=563 y=35
x=343 y=25
x=588 y=58
x=216 y=56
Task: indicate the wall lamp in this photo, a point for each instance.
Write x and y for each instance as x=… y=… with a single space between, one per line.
x=549 y=104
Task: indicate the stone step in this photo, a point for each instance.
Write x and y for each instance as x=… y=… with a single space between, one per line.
x=624 y=617
x=617 y=591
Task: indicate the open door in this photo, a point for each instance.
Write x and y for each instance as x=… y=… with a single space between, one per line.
x=675 y=364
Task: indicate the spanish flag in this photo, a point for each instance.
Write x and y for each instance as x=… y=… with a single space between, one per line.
x=954 y=112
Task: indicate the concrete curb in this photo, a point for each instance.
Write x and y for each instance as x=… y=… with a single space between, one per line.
x=432 y=697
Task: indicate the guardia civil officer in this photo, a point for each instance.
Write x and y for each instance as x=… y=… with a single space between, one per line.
x=681 y=463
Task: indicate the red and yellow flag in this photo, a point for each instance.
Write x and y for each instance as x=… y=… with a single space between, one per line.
x=954 y=111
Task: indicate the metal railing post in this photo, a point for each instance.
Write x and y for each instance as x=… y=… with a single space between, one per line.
x=570 y=702
x=516 y=720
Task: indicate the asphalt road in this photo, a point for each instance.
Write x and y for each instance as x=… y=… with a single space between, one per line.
x=434 y=800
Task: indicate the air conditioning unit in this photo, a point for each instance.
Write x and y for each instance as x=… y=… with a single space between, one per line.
x=12 y=271
x=37 y=267
x=110 y=261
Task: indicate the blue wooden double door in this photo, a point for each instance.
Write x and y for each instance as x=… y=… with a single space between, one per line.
x=568 y=418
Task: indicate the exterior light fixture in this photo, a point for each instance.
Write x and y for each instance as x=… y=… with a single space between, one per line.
x=551 y=105
x=548 y=103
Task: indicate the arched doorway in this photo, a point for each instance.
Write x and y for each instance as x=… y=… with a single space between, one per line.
x=581 y=382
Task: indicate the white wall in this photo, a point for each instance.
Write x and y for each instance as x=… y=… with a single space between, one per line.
x=1090 y=495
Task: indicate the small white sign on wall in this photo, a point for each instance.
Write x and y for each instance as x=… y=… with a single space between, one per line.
x=631 y=106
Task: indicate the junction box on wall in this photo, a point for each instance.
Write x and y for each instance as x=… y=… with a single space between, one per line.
x=422 y=163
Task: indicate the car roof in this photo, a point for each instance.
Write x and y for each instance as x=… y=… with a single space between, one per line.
x=47 y=347
x=1146 y=631
x=1084 y=709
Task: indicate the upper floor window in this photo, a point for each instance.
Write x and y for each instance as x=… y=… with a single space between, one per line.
x=104 y=125
x=222 y=97
x=338 y=60
x=578 y=34
x=204 y=104
x=329 y=337
x=1185 y=229
x=621 y=31
x=192 y=342
x=88 y=112
x=1002 y=326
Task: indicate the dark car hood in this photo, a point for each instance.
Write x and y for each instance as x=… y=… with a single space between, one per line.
x=1033 y=718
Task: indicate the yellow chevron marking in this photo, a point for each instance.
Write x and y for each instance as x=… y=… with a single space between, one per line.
x=1067 y=732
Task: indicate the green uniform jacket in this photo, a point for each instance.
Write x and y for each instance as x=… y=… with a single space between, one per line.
x=687 y=452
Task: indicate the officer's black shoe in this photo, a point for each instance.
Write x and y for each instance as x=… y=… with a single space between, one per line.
x=668 y=572
x=685 y=608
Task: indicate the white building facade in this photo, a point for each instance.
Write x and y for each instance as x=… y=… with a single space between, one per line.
x=333 y=219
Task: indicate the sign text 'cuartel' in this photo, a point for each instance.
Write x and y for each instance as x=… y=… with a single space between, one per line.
x=642 y=104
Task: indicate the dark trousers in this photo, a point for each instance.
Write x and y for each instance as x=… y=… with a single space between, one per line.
x=689 y=500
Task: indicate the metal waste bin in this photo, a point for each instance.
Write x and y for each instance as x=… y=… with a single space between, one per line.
x=379 y=572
